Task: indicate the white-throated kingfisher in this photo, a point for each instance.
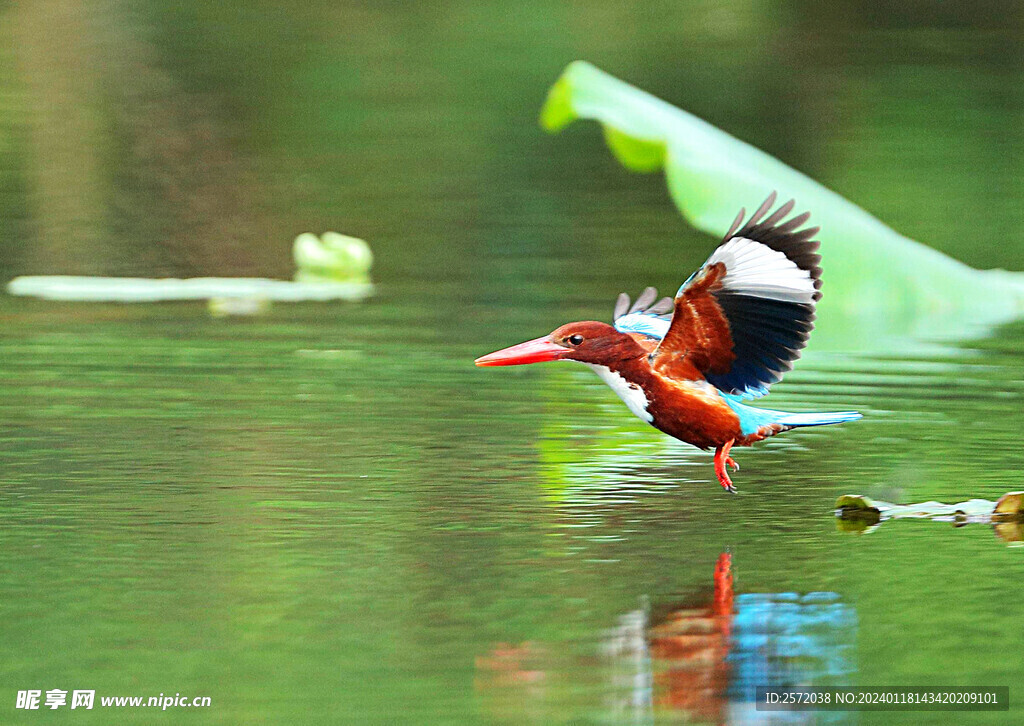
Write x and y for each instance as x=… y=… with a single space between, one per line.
x=735 y=327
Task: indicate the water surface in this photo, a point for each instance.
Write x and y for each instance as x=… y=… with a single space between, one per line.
x=327 y=515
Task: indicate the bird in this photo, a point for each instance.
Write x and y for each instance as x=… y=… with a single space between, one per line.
x=687 y=365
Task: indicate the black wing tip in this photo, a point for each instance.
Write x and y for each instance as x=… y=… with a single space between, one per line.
x=769 y=356
x=768 y=338
x=786 y=236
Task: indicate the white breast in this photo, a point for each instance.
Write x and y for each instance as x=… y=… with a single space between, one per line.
x=630 y=393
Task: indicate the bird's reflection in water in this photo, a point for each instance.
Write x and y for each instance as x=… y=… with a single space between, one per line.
x=690 y=647
x=785 y=640
x=701 y=663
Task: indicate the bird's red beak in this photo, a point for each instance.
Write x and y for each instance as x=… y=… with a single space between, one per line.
x=532 y=351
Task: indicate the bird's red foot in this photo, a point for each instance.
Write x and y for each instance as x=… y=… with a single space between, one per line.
x=722 y=458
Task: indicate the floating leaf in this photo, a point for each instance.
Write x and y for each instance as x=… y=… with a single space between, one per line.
x=138 y=289
x=858 y=513
x=330 y=267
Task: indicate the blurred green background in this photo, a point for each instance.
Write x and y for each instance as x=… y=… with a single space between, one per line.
x=326 y=514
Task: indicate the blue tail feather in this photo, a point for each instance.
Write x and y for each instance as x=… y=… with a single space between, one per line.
x=751 y=419
x=817 y=419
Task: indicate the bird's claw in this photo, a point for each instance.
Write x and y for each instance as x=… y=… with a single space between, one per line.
x=722 y=463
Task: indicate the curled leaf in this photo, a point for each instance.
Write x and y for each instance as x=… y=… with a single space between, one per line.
x=880 y=286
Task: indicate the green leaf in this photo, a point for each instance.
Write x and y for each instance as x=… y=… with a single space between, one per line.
x=880 y=287
x=860 y=514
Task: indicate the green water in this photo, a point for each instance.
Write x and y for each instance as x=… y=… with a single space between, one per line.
x=327 y=515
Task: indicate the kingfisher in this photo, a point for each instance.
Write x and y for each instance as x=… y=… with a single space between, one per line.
x=735 y=327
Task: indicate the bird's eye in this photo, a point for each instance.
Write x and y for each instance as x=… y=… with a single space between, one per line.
x=575 y=339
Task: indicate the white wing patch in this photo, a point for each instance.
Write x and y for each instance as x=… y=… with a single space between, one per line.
x=630 y=393
x=757 y=270
x=649 y=325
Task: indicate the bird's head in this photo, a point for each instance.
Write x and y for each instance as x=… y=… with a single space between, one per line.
x=587 y=341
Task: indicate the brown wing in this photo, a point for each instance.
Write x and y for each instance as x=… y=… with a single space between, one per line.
x=742 y=319
x=699 y=340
